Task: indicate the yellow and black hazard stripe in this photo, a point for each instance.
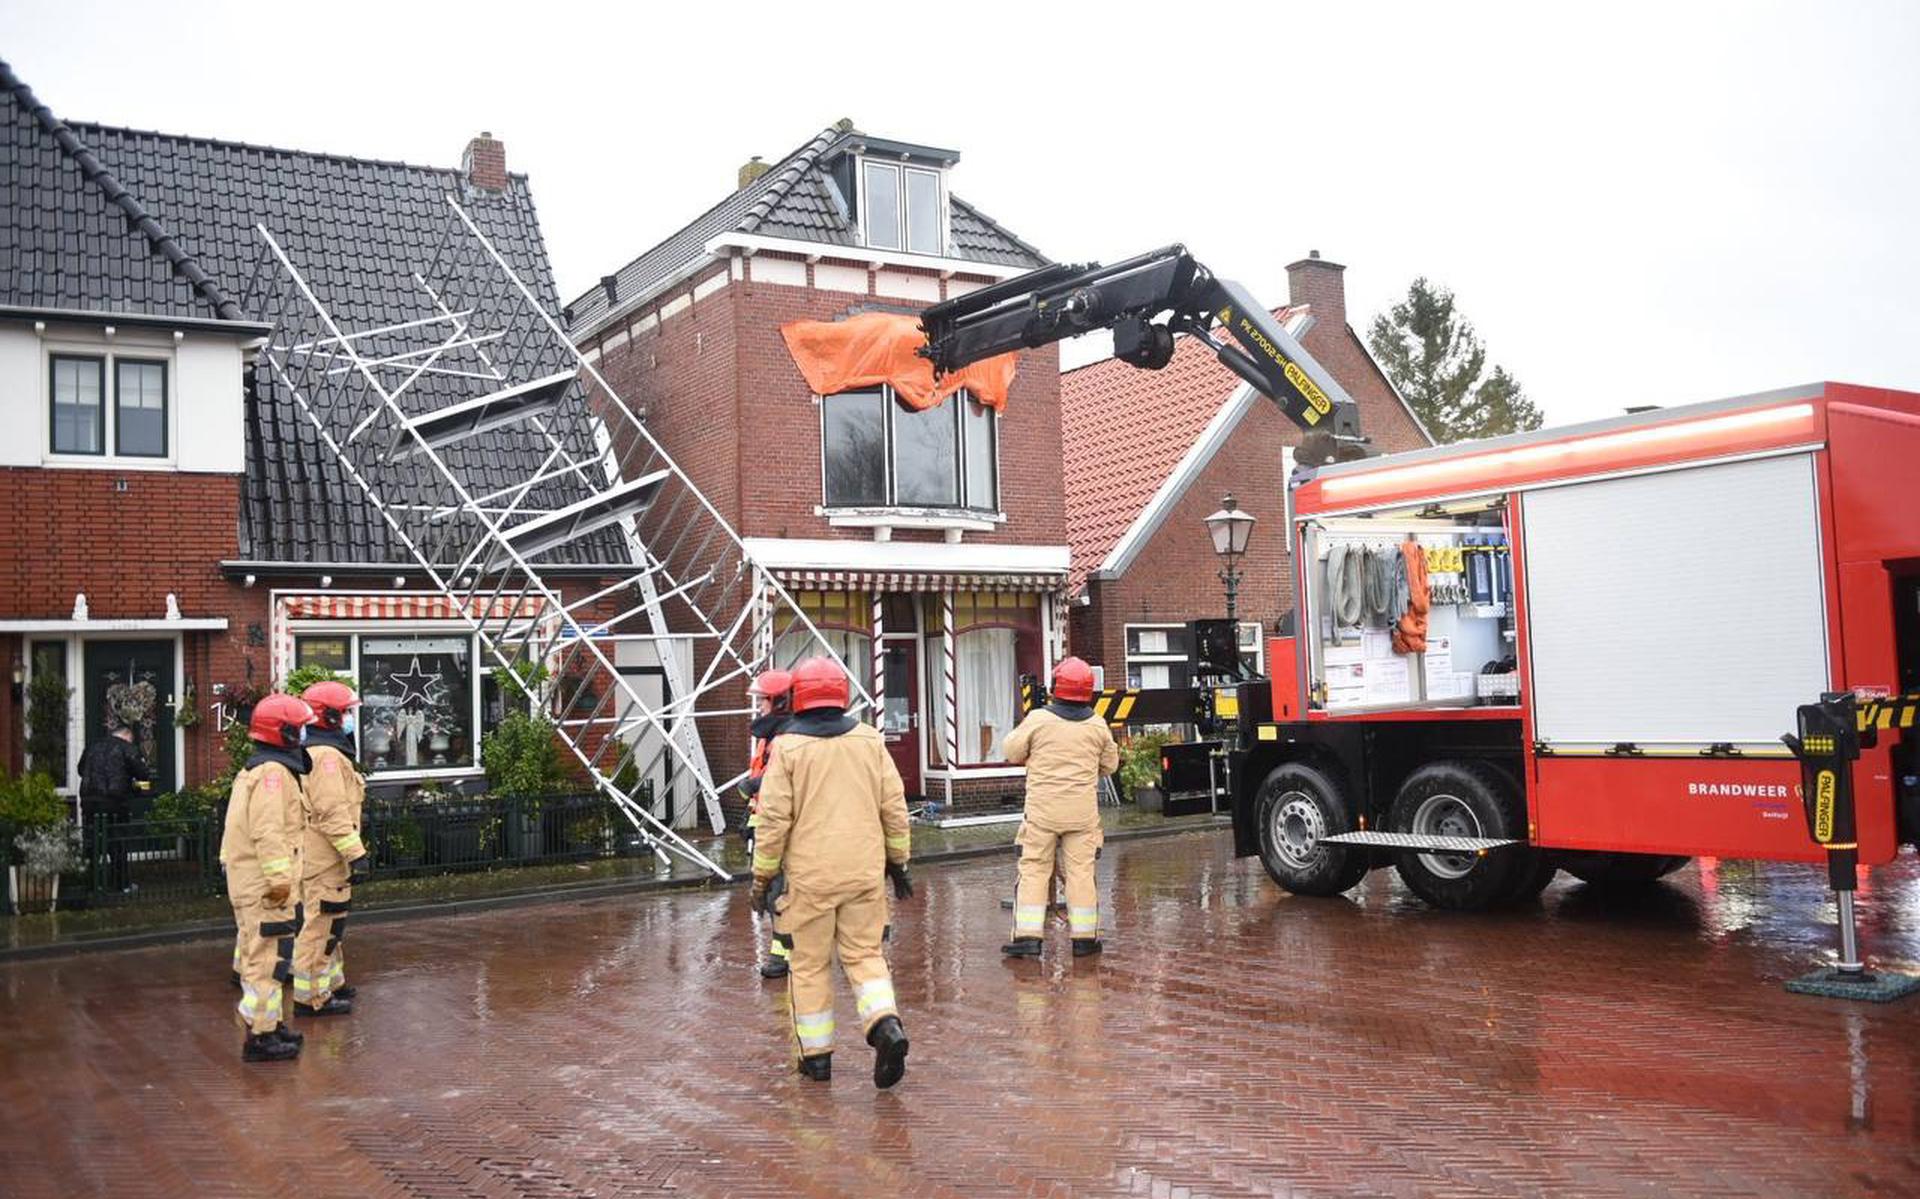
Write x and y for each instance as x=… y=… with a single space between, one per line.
x=1115 y=705
x=1888 y=712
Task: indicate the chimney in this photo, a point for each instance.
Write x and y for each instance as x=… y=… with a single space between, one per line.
x=1316 y=282
x=752 y=169
x=485 y=164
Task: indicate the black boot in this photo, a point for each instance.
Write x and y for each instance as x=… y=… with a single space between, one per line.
x=1022 y=947
x=268 y=1047
x=774 y=967
x=346 y=993
x=1086 y=947
x=334 y=1006
x=288 y=1035
x=889 y=1042
x=819 y=1067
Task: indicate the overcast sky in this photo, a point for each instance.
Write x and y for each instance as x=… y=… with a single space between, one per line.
x=1633 y=204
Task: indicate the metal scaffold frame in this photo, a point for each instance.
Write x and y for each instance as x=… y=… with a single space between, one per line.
x=393 y=404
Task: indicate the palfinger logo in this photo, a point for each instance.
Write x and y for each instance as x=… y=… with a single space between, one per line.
x=1309 y=389
x=1825 y=786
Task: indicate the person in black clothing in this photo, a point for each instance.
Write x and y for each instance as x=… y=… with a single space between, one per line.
x=109 y=769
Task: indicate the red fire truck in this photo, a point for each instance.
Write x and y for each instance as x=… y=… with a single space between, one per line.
x=1574 y=649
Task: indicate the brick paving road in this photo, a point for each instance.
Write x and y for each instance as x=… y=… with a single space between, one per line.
x=1234 y=1042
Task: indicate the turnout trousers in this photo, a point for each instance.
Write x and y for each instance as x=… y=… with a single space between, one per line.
x=267 y=934
x=319 y=967
x=1076 y=851
x=853 y=928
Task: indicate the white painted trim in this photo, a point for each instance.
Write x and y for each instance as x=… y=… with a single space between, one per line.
x=809 y=553
x=911 y=518
x=186 y=624
x=862 y=255
x=961 y=774
x=75 y=640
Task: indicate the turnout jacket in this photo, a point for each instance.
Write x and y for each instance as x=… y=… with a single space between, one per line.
x=1065 y=750
x=833 y=812
x=266 y=822
x=335 y=793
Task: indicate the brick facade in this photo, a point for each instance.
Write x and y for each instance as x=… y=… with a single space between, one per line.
x=1174 y=577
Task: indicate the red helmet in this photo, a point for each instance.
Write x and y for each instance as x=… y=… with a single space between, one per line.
x=278 y=719
x=330 y=701
x=1073 y=681
x=820 y=683
x=771 y=684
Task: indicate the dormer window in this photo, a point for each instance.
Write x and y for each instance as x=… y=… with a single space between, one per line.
x=902 y=207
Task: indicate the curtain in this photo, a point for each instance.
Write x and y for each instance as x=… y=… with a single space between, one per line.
x=989 y=685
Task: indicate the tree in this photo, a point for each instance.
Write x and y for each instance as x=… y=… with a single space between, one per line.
x=1436 y=360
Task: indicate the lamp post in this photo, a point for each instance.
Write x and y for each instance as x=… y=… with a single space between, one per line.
x=1230 y=529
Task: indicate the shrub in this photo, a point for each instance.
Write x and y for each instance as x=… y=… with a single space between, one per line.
x=47 y=699
x=178 y=813
x=26 y=805
x=306 y=676
x=521 y=757
x=1140 y=761
x=48 y=850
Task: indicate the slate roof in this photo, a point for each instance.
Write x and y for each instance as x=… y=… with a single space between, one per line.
x=796 y=199
x=1116 y=458
x=356 y=227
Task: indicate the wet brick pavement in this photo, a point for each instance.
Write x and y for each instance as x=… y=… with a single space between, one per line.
x=1234 y=1042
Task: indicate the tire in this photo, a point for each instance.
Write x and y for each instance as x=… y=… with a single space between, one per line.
x=1622 y=870
x=1462 y=799
x=1298 y=805
x=1534 y=875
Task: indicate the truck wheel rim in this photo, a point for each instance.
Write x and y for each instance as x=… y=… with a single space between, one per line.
x=1296 y=830
x=1447 y=816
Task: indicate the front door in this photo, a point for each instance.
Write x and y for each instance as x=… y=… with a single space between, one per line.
x=900 y=721
x=132 y=681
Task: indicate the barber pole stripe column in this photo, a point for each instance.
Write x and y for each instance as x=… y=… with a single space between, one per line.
x=879 y=663
x=950 y=733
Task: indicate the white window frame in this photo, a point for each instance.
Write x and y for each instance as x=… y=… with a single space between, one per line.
x=890 y=404
x=354 y=630
x=943 y=224
x=1256 y=655
x=109 y=352
x=1132 y=659
x=75 y=648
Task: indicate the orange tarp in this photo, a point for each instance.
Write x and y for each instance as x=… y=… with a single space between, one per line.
x=882 y=347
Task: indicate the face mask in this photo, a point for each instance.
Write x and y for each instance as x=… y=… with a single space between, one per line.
x=303 y=734
x=348 y=724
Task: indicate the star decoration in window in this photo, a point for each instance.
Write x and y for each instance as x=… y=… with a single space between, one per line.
x=415 y=684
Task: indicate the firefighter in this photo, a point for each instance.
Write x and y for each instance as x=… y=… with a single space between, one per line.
x=260 y=849
x=772 y=701
x=334 y=857
x=1065 y=750
x=833 y=815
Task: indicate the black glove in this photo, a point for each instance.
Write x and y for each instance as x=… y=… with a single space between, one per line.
x=757 y=892
x=902 y=882
x=360 y=869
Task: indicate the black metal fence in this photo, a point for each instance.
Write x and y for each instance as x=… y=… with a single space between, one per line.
x=159 y=860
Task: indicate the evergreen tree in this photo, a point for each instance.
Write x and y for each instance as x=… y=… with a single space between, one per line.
x=1436 y=360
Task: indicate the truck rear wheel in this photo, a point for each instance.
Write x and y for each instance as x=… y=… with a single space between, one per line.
x=1622 y=869
x=1460 y=799
x=1297 y=806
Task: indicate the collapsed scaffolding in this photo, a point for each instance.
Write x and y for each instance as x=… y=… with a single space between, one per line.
x=425 y=414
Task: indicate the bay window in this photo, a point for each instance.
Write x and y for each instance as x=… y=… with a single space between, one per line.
x=843 y=618
x=876 y=451
x=419 y=702
x=996 y=640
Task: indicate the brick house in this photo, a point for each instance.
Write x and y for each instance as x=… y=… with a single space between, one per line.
x=177 y=536
x=1139 y=490
x=931 y=546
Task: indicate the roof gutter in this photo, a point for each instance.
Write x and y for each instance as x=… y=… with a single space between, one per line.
x=138 y=320
x=813 y=251
x=239 y=568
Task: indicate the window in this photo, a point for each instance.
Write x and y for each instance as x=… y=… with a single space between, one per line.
x=843 y=618
x=79 y=424
x=418 y=701
x=996 y=639
x=1157 y=655
x=47 y=730
x=878 y=452
x=1253 y=647
x=140 y=408
x=901 y=207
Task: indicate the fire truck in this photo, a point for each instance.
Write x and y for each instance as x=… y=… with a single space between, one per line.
x=1577 y=648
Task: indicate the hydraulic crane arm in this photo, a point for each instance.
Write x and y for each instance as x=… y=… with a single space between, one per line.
x=1145 y=300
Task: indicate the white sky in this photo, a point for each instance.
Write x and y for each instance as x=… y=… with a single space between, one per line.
x=1634 y=204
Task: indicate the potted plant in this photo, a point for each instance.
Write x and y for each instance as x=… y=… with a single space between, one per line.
x=46 y=853
x=29 y=807
x=523 y=765
x=1140 y=770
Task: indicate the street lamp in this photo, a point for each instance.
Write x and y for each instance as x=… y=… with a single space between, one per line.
x=1230 y=529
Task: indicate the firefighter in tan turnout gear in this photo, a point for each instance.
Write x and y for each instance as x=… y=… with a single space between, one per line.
x=833 y=817
x=1065 y=749
x=334 y=857
x=260 y=849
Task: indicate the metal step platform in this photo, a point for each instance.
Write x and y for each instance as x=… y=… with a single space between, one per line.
x=1424 y=844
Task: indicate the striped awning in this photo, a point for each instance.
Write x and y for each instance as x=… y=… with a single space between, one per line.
x=912 y=580
x=407 y=607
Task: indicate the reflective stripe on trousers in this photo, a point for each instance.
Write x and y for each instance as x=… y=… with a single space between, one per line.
x=874 y=998
x=1029 y=919
x=815 y=1030
x=1085 y=921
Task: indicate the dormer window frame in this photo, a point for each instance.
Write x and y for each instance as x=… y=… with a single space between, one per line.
x=904 y=170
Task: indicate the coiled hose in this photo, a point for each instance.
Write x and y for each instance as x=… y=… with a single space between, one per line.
x=1346 y=585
